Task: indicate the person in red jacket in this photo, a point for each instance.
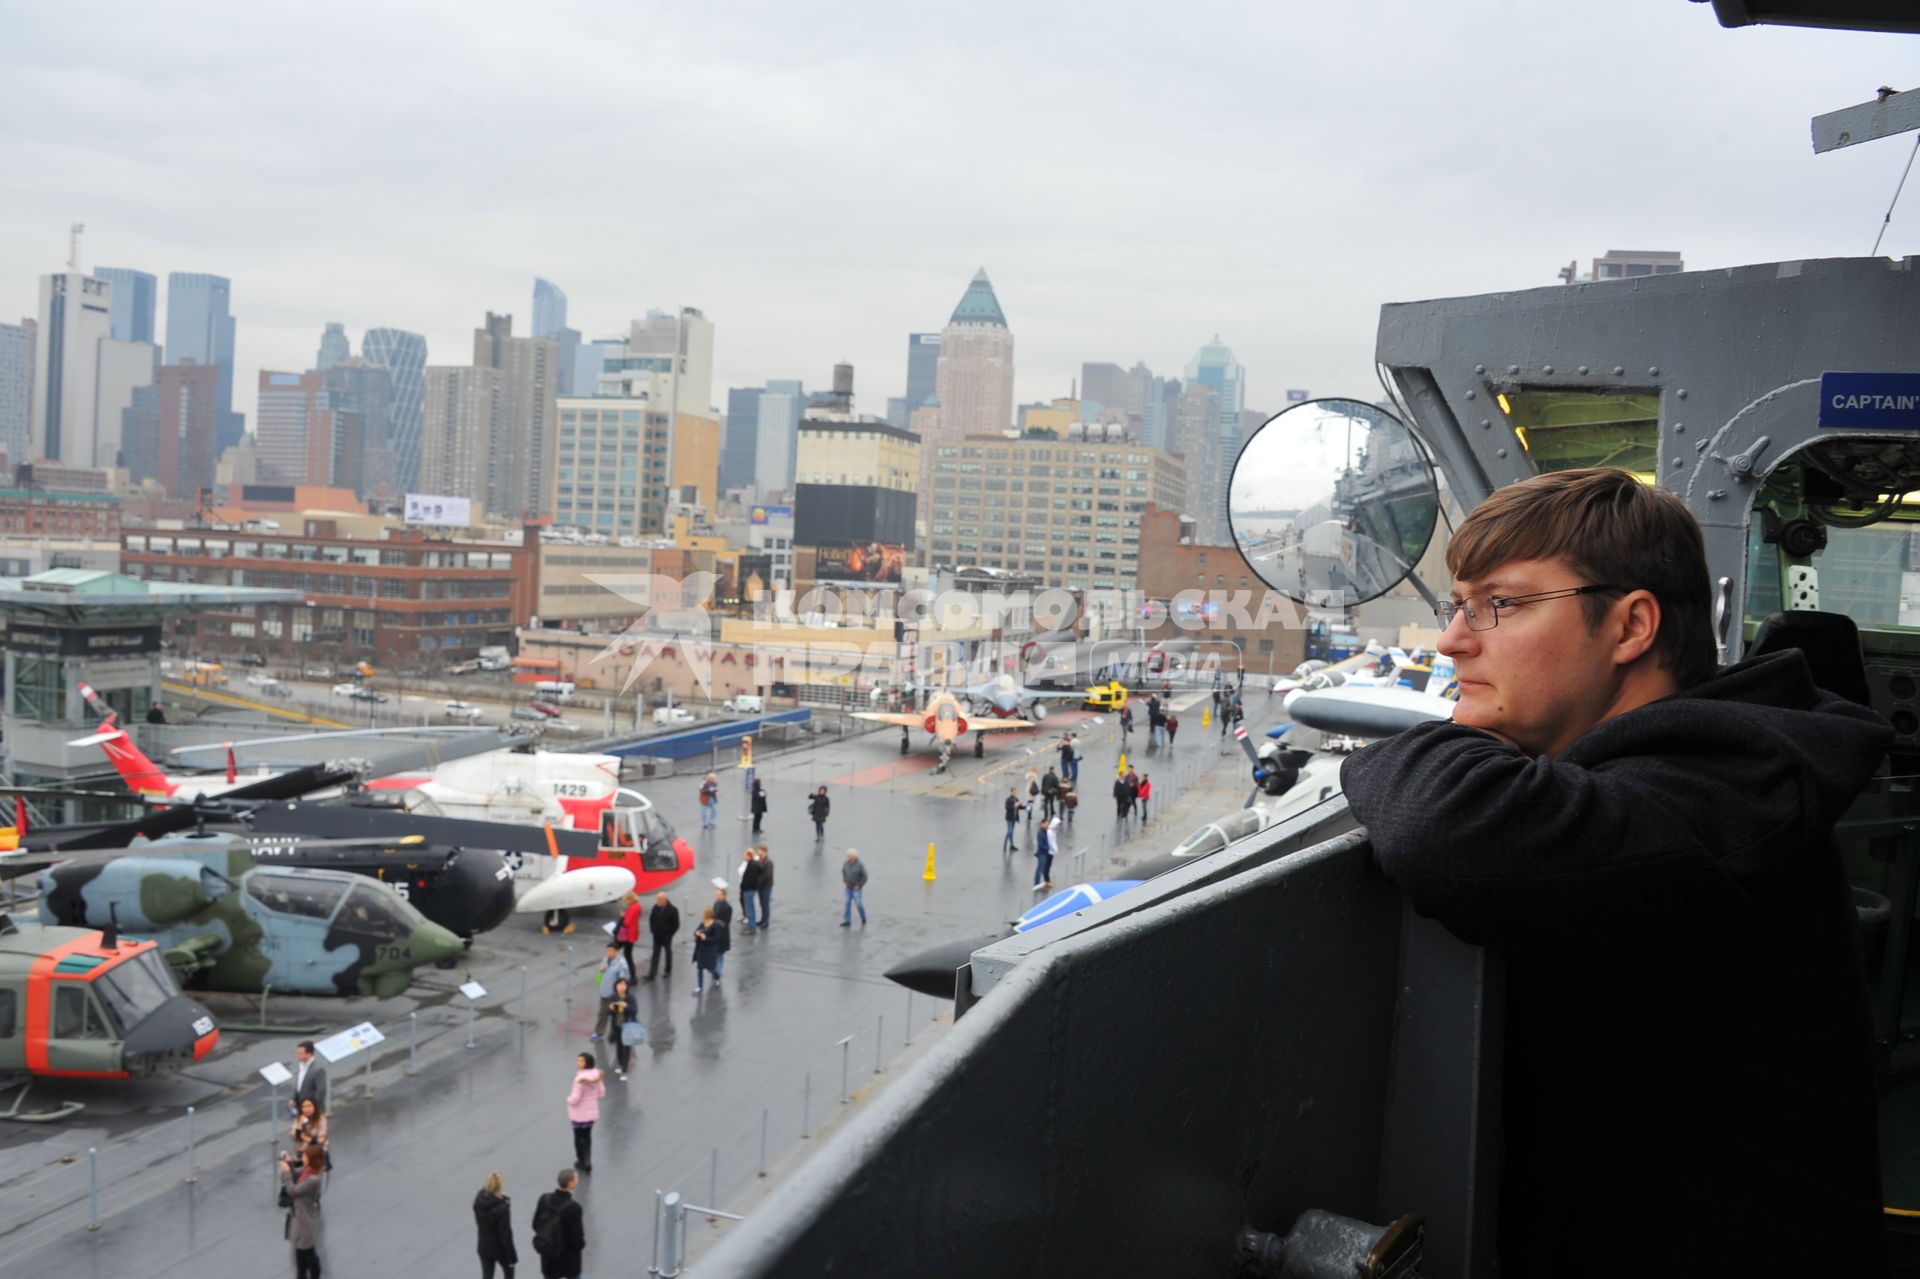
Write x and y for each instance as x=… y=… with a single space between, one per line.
x=627 y=931
x=1146 y=793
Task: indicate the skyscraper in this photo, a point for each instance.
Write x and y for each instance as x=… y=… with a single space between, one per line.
x=135 y=294
x=120 y=369
x=520 y=456
x=460 y=416
x=549 y=309
x=334 y=347
x=359 y=394
x=923 y=370
x=75 y=317
x=404 y=356
x=1103 y=392
x=200 y=328
x=16 y=390
x=167 y=431
x=294 y=428
x=1195 y=435
x=743 y=437
x=1214 y=366
x=780 y=407
x=974 y=378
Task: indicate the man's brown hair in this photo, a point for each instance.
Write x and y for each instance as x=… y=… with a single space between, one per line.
x=1610 y=529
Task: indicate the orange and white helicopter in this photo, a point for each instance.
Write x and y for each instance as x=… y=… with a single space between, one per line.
x=638 y=850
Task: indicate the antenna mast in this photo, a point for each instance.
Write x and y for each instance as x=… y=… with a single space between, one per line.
x=73 y=246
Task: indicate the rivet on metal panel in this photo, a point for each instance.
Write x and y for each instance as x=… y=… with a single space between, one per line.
x=1485 y=423
x=1583 y=370
x=1679 y=428
x=1680 y=394
x=1470 y=395
x=1500 y=453
x=1619 y=369
x=1513 y=368
x=1653 y=371
x=1479 y=368
x=1699 y=446
x=1676 y=463
x=1546 y=368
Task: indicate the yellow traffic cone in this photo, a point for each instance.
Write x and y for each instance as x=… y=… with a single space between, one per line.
x=1206 y=716
x=929 y=876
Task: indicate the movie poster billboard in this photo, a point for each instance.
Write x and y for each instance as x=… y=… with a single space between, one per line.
x=875 y=563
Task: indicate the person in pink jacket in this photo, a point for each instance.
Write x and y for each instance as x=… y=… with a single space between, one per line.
x=583 y=1107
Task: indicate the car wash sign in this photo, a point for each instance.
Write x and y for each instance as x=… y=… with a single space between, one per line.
x=1873 y=401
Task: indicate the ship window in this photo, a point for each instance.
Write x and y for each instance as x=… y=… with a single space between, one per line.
x=9 y=1013
x=1206 y=840
x=1562 y=430
x=290 y=895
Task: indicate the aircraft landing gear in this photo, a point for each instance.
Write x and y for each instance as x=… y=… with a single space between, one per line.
x=18 y=1112
x=946 y=756
x=903 y=741
x=556 y=919
x=979 y=745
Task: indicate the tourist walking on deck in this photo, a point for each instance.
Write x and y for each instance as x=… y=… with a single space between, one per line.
x=621 y=1006
x=309 y=1078
x=663 y=921
x=583 y=1108
x=613 y=970
x=1033 y=793
x=493 y=1219
x=723 y=938
x=1069 y=760
x=1012 y=808
x=1126 y=723
x=758 y=804
x=1049 y=794
x=560 y=1230
x=1043 y=850
x=1173 y=728
x=817 y=808
x=1069 y=800
x=853 y=876
x=750 y=890
x=309 y=1126
x=765 y=889
x=627 y=931
x=704 y=949
x=709 y=801
x=1146 y=793
x=301 y=1193
x=1122 y=798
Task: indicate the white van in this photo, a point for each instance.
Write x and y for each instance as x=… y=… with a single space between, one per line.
x=746 y=704
x=665 y=715
x=559 y=689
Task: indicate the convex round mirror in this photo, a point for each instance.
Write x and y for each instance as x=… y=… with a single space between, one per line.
x=1333 y=502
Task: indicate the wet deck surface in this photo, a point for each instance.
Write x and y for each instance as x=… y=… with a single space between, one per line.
x=412 y=1154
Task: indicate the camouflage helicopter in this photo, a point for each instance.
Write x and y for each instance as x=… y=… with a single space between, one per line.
x=79 y=1003
x=225 y=922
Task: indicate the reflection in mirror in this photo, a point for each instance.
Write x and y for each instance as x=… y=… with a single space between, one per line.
x=1332 y=502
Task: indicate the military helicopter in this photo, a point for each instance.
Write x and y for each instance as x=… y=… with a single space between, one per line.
x=80 y=1003
x=226 y=922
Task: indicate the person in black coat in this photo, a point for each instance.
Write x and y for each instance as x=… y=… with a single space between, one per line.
x=817 y=808
x=1122 y=798
x=750 y=889
x=758 y=804
x=723 y=935
x=1647 y=841
x=663 y=921
x=1049 y=794
x=492 y=1216
x=568 y=1229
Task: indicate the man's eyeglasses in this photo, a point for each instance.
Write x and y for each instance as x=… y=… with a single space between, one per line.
x=1483 y=611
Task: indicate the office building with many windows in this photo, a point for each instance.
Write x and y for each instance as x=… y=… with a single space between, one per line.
x=200 y=328
x=135 y=295
x=404 y=356
x=611 y=474
x=1064 y=510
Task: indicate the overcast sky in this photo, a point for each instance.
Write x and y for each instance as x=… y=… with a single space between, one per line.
x=821 y=179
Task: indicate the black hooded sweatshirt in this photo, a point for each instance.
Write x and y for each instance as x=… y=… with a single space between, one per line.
x=1688 y=1051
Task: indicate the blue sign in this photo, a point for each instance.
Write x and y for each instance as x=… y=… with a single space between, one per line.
x=1297 y=397
x=1877 y=401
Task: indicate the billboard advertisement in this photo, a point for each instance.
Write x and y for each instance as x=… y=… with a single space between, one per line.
x=851 y=515
x=770 y=514
x=425 y=508
x=875 y=562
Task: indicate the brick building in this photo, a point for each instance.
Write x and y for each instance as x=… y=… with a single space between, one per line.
x=1211 y=596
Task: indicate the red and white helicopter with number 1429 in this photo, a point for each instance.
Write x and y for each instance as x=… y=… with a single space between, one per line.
x=638 y=850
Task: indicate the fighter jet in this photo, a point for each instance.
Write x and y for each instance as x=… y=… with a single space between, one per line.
x=1004 y=696
x=224 y=922
x=944 y=721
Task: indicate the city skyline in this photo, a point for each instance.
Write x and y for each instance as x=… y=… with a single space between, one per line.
x=1079 y=202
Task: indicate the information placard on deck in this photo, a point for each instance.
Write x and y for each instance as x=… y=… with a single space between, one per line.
x=349 y=1042
x=275 y=1074
x=474 y=990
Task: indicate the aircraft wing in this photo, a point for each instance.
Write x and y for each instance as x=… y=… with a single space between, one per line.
x=885 y=717
x=991 y=723
x=1365 y=710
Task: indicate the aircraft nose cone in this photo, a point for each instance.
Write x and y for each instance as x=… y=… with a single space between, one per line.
x=176 y=1034
x=432 y=943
